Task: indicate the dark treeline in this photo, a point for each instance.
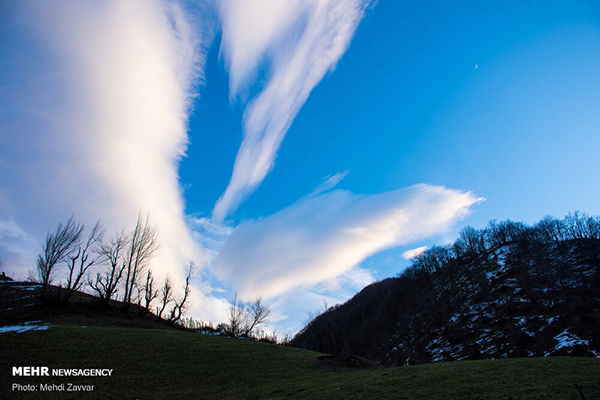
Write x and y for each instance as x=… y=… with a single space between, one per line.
x=116 y=270
x=466 y=300
x=78 y=264
x=477 y=243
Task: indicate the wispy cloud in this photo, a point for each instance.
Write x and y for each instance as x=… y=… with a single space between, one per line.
x=322 y=237
x=94 y=119
x=299 y=42
x=329 y=182
x=412 y=253
x=210 y=235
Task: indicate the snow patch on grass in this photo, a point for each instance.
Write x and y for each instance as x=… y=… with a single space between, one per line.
x=27 y=326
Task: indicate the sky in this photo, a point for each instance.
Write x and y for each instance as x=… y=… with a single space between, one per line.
x=294 y=150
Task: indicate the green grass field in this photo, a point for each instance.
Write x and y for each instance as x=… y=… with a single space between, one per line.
x=173 y=364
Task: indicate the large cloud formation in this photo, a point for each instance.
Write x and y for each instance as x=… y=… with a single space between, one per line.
x=94 y=117
x=94 y=105
x=326 y=235
x=298 y=42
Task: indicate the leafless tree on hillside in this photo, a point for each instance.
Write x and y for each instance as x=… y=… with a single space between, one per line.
x=551 y=229
x=180 y=306
x=245 y=318
x=166 y=295
x=236 y=317
x=105 y=284
x=581 y=226
x=258 y=313
x=142 y=246
x=57 y=247
x=79 y=262
x=149 y=292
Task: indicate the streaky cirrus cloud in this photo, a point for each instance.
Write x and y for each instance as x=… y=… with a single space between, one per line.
x=297 y=42
x=323 y=236
x=94 y=117
x=329 y=183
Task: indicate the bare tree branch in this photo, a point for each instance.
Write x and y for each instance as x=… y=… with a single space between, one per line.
x=149 y=293
x=57 y=247
x=166 y=293
x=179 y=307
x=142 y=246
x=82 y=260
x=236 y=317
x=245 y=318
x=258 y=313
x=105 y=284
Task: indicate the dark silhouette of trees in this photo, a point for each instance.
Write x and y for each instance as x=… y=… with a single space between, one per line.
x=581 y=226
x=143 y=243
x=111 y=253
x=56 y=249
x=545 y=276
x=505 y=232
x=166 y=295
x=180 y=305
x=551 y=229
x=236 y=317
x=258 y=313
x=470 y=242
x=80 y=261
x=122 y=263
x=433 y=259
x=245 y=318
x=149 y=292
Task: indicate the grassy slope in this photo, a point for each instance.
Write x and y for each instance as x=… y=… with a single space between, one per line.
x=165 y=363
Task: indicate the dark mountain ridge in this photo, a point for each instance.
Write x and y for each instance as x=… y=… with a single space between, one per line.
x=509 y=290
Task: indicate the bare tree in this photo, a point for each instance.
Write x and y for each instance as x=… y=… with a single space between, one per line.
x=180 y=306
x=432 y=259
x=551 y=229
x=236 y=317
x=79 y=262
x=57 y=247
x=257 y=313
x=244 y=318
x=581 y=226
x=142 y=246
x=105 y=284
x=149 y=292
x=166 y=295
x=471 y=242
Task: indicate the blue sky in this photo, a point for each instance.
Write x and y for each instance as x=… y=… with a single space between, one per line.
x=339 y=107
x=498 y=98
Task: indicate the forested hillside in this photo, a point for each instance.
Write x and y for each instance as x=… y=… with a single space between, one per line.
x=509 y=290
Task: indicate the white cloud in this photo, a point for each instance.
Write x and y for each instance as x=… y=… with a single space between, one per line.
x=330 y=182
x=298 y=42
x=250 y=29
x=94 y=101
x=95 y=116
x=210 y=235
x=412 y=253
x=208 y=308
x=321 y=237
